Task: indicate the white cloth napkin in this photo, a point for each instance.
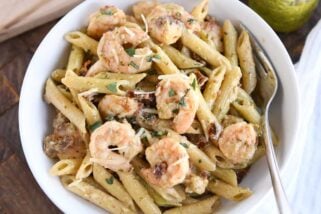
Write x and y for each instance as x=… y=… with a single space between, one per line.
x=304 y=189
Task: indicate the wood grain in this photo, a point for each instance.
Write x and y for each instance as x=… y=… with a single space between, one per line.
x=19 y=193
x=8 y=94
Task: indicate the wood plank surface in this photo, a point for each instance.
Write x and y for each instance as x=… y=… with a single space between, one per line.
x=19 y=193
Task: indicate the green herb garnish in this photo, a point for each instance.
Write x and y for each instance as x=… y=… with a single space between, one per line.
x=171 y=93
x=199 y=161
x=110 y=180
x=112 y=87
x=134 y=65
x=175 y=111
x=194 y=84
x=94 y=126
x=156 y=56
x=130 y=51
x=190 y=21
x=184 y=145
x=109 y=118
x=158 y=133
x=107 y=12
x=181 y=101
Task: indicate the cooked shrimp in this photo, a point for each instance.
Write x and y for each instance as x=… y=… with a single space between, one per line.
x=114 y=56
x=238 y=142
x=105 y=19
x=176 y=99
x=169 y=163
x=143 y=8
x=113 y=136
x=167 y=21
x=113 y=105
x=213 y=32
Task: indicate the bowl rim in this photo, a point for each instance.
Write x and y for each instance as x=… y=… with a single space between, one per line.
x=23 y=100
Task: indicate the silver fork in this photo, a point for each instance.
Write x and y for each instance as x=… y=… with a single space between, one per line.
x=267 y=89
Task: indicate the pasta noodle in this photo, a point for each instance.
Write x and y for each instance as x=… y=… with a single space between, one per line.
x=228 y=92
x=244 y=51
x=65 y=167
x=208 y=205
x=233 y=193
x=200 y=47
x=112 y=185
x=83 y=41
x=54 y=96
x=138 y=192
x=230 y=42
x=94 y=195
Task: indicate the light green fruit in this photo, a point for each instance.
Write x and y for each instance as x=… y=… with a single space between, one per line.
x=284 y=15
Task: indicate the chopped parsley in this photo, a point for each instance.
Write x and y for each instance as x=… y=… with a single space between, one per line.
x=94 y=126
x=181 y=101
x=184 y=145
x=190 y=21
x=194 y=84
x=107 y=12
x=109 y=118
x=112 y=87
x=175 y=111
x=171 y=93
x=156 y=56
x=158 y=133
x=134 y=65
x=110 y=180
x=130 y=51
x=150 y=58
x=199 y=161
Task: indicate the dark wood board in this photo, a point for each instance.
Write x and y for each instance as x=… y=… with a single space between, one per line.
x=19 y=192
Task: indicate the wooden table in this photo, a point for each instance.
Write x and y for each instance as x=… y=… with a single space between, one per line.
x=19 y=192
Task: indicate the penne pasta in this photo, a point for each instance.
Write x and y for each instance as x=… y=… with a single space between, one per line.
x=246 y=107
x=133 y=79
x=112 y=186
x=197 y=45
x=83 y=41
x=162 y=61
x=138 y=192
x=228 y=92
x=209 y=123
x=226 y=175
x=69 y=110
x=65 y=167
x=204 y=206
x=213 y=85
x=85 y=168
x=94 y=195
x=245 y=55
x=233 y=193
x=90 y=111
x=230 y=42
x=58 y=74
x=76 y=58
x=108 y=86
x=200 y=11
x=179 y=59
x=64 y=91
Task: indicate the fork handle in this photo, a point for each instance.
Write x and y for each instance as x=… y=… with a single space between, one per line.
x=280 y=196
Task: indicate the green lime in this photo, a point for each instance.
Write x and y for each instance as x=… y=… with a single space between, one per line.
x=284 y=15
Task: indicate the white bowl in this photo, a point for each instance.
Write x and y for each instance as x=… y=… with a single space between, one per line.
x=35 y=118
